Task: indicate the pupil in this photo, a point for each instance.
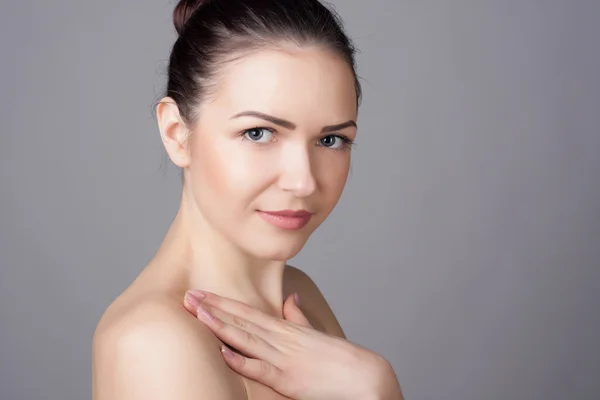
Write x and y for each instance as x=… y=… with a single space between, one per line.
x=327 y=141
x=256 y=133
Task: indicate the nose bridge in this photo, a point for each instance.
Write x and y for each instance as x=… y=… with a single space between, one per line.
x=297 y=170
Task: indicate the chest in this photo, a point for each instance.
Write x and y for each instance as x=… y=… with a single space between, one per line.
x=258 y=391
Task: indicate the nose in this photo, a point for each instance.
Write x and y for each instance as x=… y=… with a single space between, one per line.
x=296 y=172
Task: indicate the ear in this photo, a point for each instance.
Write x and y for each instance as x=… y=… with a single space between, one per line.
x=173 y=132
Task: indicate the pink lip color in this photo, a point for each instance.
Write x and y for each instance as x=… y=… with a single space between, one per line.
x=286 y=219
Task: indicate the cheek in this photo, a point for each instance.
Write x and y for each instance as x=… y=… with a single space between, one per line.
x=333 y=173
x=225 y=174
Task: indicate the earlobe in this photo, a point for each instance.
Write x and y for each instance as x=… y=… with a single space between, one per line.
x=173 y=131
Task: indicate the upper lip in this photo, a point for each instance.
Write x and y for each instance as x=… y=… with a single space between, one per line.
x=290 y=213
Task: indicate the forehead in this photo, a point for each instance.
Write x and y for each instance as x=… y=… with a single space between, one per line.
x=306 y=86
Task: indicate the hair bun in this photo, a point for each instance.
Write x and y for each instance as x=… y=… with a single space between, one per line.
x=183 y=11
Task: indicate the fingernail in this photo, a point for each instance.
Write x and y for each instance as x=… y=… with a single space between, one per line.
x=228 y=354
x=297 y=298
x=200 y=294
x=192 y=299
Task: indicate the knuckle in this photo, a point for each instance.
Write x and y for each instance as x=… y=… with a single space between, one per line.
x=242 y=362
x=251 y=339
x=281 y=325
x=265 y=368
x=239 y=322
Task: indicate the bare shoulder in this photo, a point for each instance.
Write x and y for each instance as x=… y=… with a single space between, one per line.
x=312 y=301
x=150 y=347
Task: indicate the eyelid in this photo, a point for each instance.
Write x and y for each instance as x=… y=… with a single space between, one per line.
x=242 y=134
x=347 y=143
x=339 y=135
x=272 y=130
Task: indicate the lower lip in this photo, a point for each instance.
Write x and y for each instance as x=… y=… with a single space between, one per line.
x=291 y=223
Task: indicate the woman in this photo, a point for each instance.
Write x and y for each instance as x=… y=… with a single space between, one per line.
x=260 y=115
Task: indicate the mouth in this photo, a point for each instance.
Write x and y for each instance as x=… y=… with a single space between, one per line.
x=286 y=219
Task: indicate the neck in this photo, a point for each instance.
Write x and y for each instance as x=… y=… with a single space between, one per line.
x=192 y=248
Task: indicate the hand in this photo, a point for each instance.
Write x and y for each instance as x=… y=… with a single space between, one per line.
x=290 y=356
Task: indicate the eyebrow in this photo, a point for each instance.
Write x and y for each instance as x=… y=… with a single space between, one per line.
x=291 y=125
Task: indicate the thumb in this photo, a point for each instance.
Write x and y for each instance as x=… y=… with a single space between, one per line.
x=292 y=313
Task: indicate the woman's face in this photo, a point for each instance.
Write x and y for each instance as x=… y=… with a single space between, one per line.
x=274 y=137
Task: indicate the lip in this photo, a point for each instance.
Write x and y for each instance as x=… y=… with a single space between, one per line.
x=286 y=219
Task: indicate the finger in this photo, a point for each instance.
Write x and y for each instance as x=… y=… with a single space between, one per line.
x=292 y=311
x=193 y=304
x=238 y=322
x=255 y=369
x=238 y=308
x=241 y=339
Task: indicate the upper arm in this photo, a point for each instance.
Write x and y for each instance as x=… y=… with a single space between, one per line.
x=156 y=355
x=312 y=302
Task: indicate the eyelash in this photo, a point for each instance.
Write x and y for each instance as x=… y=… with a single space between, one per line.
x=347 y=143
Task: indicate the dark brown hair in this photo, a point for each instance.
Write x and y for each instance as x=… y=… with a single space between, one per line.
x=213 y=32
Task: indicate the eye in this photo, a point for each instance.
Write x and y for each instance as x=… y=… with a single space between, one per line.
x=259 y=135
x=335 y=142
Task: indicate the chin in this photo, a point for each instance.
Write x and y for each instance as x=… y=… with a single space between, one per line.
x=277 y=248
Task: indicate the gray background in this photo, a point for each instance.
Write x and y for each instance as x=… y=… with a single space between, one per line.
x=466 y=248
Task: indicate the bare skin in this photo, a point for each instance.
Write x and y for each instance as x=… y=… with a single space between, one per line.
x=147 y=345
x=150 y=312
